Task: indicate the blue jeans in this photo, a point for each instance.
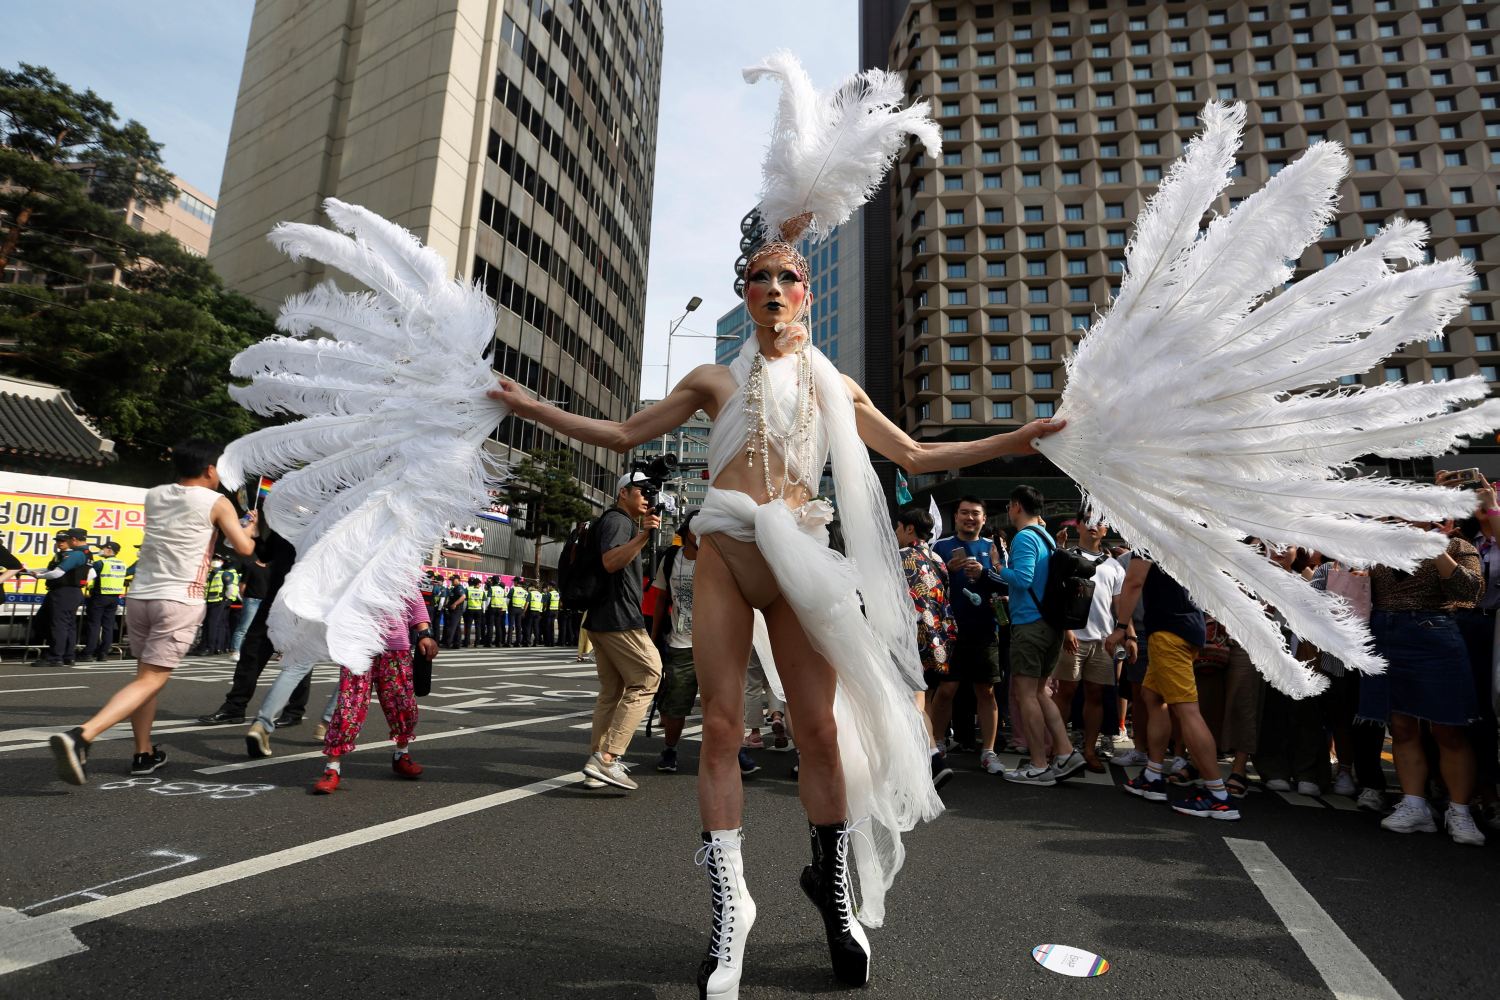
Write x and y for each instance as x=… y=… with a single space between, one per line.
x=275 y=700
x=248 y=607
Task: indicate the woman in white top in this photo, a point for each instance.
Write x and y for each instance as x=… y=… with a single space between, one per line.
x=165 y=605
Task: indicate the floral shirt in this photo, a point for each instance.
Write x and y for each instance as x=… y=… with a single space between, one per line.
x=927 y=579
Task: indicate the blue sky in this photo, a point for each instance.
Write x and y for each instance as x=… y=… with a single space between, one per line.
x=175 y=67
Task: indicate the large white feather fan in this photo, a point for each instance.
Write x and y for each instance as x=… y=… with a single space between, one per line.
x=389 y=449
x=1204 y=407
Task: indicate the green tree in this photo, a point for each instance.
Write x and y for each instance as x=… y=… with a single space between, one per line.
x=543 y=486
x=69 y=169
x=149 y=360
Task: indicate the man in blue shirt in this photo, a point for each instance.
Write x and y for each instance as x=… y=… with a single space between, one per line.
x=1034 y=647
x=65 y=580
x=974 y=581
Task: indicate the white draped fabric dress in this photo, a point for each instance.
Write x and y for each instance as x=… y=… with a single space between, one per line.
x=850 y=608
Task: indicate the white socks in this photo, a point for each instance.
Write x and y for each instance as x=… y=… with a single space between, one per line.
x=332 y=764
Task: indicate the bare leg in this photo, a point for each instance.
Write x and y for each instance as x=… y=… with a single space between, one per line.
x=1411 y=761
x=722 y=623
x=672 y=731
x=1199 y=739
x=149 y=680
x=1456 y=761
x=989 y=714
x=1062 y=697
x=1093 y=717
x=1040 y=719
x=940 y=710
x=810 y=684
x=1155 y=725
x=140 y=725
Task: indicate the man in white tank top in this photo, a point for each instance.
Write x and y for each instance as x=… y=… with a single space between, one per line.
x=165 y=606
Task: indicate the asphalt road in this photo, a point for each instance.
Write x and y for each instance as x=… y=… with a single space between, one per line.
x=498 y=875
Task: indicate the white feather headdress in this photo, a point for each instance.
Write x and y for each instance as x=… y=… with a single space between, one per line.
x=1199 y=409
x=389 y=450
x=829 y=152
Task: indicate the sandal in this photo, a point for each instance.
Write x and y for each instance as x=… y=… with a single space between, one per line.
x=1237 y=785
x=1186 y=777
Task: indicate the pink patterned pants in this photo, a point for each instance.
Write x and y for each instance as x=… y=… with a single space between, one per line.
x=391 y=673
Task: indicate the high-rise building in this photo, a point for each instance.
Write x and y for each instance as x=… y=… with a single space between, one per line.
x=688 y=444
x=836 y=321
x=516 y=138
x=1059 y=118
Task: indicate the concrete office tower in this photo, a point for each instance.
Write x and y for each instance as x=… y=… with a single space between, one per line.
x=836 y=321
x=517 y=139
x=1059 y=118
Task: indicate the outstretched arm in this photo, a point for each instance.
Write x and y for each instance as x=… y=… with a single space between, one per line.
x=877 y=431
x=690 y=395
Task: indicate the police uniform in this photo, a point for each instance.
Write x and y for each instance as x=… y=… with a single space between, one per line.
x=536 y=604
x=428 y=588
x=103 y=605
x=457 y=598
x=64 y=597
x=549 y=618
x=519 y=599
x=494 y=615
x=474 y=611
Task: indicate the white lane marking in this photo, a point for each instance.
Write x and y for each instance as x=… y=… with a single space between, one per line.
x=74 y=687
x=120 y=732
x=421 y=739
x=1344 y=968
x=92 y=892
x=25 y=942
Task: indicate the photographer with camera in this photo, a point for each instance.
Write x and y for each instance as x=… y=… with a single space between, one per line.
x=628 y=664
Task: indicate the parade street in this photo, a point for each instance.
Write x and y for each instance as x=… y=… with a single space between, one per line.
x=499 y=875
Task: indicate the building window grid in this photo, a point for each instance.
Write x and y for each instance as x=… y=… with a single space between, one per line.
x=1305 y=79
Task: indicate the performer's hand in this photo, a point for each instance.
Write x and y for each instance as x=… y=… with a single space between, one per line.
x=1028 y=434
x=520 y=402
x=428 y=648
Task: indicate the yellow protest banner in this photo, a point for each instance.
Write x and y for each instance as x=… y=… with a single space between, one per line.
x=28 y=522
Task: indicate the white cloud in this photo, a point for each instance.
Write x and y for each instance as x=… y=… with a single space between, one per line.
x=709 y=143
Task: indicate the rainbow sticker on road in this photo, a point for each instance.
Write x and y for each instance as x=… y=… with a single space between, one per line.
x=1069 y=961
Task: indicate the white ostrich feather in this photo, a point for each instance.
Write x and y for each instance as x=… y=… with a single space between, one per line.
x=829 y=152
x=1199 y=412
x=389 y=450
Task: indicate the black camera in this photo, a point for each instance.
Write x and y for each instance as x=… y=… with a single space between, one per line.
x=656 y=471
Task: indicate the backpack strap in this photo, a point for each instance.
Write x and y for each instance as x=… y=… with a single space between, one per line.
x=1051 y=548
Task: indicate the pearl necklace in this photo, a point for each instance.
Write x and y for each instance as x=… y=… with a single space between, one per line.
x=794 y=443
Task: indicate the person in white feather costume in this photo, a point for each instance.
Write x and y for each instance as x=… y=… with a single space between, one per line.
x=1223 y=427
x=780 y=411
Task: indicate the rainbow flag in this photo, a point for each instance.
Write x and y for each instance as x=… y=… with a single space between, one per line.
x=265 y=487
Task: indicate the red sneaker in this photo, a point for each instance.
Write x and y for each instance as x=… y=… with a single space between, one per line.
x=326 y=784
x=405 y=767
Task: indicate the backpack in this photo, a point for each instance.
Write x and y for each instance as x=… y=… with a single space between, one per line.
x=581 y=578
x=1068 y=595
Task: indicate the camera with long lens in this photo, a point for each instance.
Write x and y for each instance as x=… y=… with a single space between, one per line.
x=657 y=472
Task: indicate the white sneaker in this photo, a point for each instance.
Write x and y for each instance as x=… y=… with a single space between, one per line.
x=990 y=761
x=1372 y=799
x=1344 y=785
x=1410 y=818
x=612 y=773
x=1461 y=827
x=1131 y=758
x=1030 y=774
x=1279 y=785
x=1066 y=766
x=1308 y=788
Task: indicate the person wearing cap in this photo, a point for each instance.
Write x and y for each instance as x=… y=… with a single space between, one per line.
x=549 y=616
x=628 y=664
x=458 y=600
x=474 y=604
x=65 y=577
x=103 y=603
x=518 y=600
x=494 y=615
x=536 y=608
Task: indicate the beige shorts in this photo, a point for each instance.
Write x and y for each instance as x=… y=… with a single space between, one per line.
x=161 y=632
x=1091 y=663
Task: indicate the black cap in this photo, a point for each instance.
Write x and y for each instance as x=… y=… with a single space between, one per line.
x=77 y=534
x=110 y=544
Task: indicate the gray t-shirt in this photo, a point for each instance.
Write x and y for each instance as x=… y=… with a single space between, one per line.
x=619 y=609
